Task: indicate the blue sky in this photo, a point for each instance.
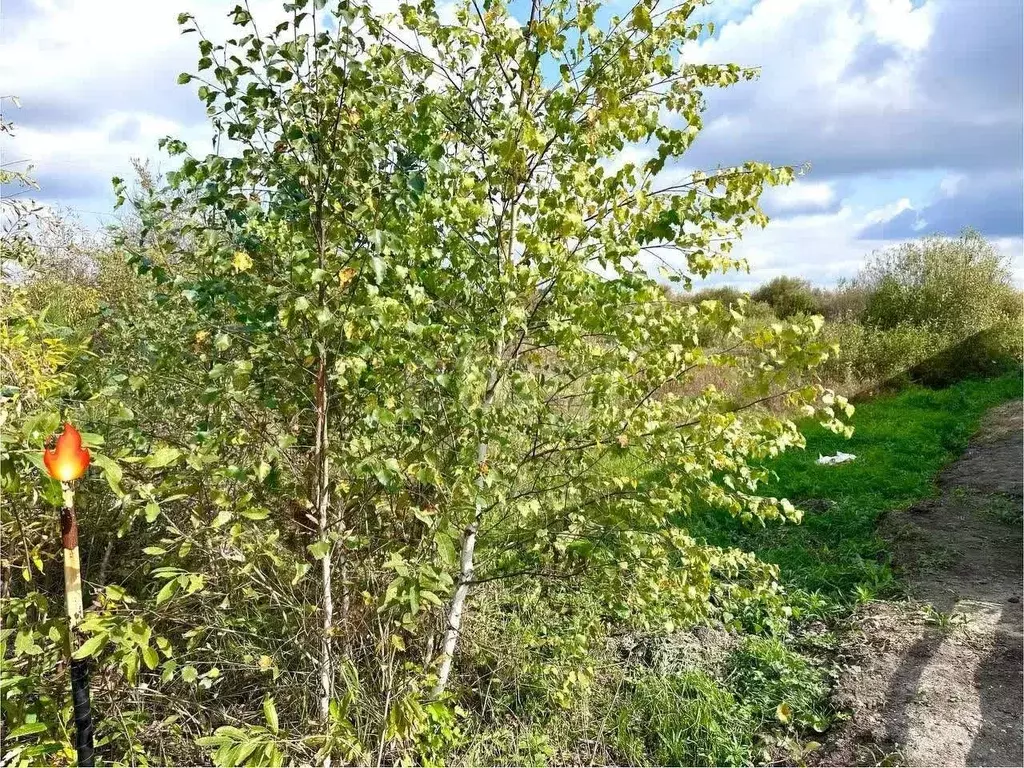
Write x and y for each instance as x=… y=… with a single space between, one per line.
x=909 y=113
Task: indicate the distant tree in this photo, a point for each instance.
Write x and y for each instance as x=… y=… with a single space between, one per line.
x=788 y=296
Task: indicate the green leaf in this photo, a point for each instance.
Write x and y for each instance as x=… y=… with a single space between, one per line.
x=25 y=644
x=118 y=594
x=270 y=712
x=111 y=471
x=167 y=592
x=162 y=457
x=446 y=549
x=184 y=78
x=430 y=597
x=91 y=646
x=189 y=674
x=319 y=549
x=27 y=729
x=152 y=511
x=301 y=569
x=40 y=427
x=150 y=657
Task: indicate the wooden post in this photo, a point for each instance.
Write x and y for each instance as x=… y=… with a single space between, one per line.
x=73 y=596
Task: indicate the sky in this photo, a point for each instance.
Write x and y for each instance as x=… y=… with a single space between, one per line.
x=908 y=113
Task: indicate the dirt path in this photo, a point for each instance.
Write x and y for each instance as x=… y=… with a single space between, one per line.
x=937 y=680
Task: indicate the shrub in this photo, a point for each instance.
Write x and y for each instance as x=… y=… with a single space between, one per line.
x=725 y=293
x=788 y=296
x=847 y=301
x=869 y=356
x=934 y=311
x=985 y=353
x=954 y=286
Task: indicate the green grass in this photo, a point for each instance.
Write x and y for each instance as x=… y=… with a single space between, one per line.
x=687 y=718
x=901 y=442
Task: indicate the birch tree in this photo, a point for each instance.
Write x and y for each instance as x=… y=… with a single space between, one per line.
x=423 y=276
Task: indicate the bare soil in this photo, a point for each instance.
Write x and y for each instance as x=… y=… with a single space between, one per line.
x=937 y=680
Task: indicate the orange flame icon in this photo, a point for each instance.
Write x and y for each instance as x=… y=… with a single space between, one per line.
x=68 y=460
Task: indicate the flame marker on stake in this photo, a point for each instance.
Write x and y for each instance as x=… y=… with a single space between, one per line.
x=67 y=462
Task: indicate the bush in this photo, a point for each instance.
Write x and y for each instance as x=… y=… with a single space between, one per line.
x=934 y=311
x=845 y=302
x=788 y=296
x=954 y=286
x=986 y=353
x=726 y=294
x=868 y=356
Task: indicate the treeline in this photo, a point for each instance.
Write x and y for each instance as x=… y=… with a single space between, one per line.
x=936 y=310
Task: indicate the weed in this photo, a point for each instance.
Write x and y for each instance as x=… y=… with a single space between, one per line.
x=780 y=684
x=863 y=594
x=945 y=621
x=938 y=558
x=1004 y=509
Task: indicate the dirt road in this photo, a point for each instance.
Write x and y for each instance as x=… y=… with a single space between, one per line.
x=937 y=680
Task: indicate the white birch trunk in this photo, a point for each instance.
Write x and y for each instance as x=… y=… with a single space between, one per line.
x=326 y=660
x=457 y=606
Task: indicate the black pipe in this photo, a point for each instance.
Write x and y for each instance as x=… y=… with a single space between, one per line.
x=83 y=711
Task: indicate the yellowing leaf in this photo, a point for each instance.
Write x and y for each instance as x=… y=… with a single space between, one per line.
x=241 y=261
x=784 y=712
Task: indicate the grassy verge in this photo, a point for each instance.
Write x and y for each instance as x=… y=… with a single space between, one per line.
x=772 y=703
x=901 y=442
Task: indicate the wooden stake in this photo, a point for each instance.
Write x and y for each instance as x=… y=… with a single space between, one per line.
x=73 y=596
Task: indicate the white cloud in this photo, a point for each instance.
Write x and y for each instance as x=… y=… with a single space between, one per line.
x=801 y=195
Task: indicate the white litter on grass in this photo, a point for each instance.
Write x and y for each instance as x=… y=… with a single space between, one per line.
x=839 y=458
